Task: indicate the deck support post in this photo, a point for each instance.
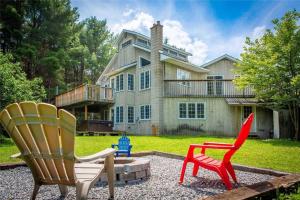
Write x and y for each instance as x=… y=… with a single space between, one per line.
x=85 y=112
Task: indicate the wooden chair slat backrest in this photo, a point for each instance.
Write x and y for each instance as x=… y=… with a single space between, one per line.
x=124 y=143
x=22 y=143
x=52 y=135
x=39 y=128
x=67 y=132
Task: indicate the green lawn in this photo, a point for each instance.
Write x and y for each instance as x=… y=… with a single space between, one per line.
x=283 y=155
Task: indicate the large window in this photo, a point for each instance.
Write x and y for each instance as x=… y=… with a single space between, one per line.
x=120 y=82
x=183 y=75
x=130 y=82
x=130 y=114
x=145 y=81
x=119 y=114
x=215 y=85
x=145 y=112
x=144 y=62
x=191 y=111
x=247 y=110
x=125 y=44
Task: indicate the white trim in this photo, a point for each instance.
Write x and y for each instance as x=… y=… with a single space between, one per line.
x=150 y=112
x=148 y=70
x=115 y=114
x=214 y=86
x=133 y=82
x=225 y=56
x=133 y=114
x=143 y=48
x=121 y=69
x=186 y=103
x=117 y=91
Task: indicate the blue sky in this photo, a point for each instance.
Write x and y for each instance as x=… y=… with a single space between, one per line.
x=206 y=28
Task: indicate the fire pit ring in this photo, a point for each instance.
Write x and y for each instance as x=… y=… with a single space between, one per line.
x=128 y=169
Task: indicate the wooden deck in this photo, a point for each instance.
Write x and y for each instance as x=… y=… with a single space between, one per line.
x=84 y=93
x=205 y=88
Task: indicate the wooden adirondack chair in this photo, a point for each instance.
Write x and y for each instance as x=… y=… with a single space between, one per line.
x=221 y=167
x=123 y=145
x=46 y=144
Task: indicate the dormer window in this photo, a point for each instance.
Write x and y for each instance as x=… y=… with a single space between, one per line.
x=125 y=44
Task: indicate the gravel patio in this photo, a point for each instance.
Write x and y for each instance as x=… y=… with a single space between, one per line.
x=17 y=183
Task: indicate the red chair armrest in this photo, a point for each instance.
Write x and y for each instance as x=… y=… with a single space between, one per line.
x=210 y=146
x=217 y=143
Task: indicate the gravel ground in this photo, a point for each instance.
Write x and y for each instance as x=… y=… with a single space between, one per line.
x=163 y=184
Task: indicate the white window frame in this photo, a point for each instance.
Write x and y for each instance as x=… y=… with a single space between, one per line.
x=133 y=79
x=119 y=116
x=214 y=86
x=127 y=44
x=133 y=115
x=116 y=86
x=140 y=112
x=183 y=83
x=140 y=63
x=187 y=110
x=140 y=85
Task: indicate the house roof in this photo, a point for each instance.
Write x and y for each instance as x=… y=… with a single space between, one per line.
x=183 y=64
x=225 y=56
x=148 y=38
x=123 y=68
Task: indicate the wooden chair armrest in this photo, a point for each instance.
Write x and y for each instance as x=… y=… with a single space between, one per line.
x=102 y=154
x=17 y=155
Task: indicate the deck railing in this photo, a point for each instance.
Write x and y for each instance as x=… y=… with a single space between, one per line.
x=84 y=93
x=204 y=88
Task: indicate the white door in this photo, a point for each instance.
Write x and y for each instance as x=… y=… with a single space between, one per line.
x=246 y=111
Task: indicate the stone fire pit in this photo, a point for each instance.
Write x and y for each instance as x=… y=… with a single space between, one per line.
x=129 y=169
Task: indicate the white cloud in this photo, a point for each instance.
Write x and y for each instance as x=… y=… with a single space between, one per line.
x=128 y=12
x=203 y=49
x=258 y=32
x=173 y=30
x=140 y=22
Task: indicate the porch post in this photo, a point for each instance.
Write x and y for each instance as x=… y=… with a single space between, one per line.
x=85 y=112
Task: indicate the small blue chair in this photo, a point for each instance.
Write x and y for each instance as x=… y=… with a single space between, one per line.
x=124 y=146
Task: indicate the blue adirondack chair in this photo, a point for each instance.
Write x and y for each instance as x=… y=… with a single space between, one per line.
x=124 y=146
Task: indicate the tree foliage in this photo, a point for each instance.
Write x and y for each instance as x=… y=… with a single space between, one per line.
x=49 y=42
x=14 y=86
x=271 y=65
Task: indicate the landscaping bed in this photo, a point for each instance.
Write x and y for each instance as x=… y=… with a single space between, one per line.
x=17 y=183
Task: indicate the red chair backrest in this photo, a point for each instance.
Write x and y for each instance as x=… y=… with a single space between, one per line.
x=244 y=132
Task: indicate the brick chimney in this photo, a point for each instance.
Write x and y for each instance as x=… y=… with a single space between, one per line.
x=156 y=78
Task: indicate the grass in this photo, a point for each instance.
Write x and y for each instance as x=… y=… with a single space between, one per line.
x=282 y=155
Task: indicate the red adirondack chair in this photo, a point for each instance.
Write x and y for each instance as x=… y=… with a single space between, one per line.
x=221 y=167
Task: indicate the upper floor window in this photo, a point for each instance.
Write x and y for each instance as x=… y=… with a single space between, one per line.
x=173 y=53
x=215 y=85
x=125 y=44
x=182 y=56
x=120 y=82
x=130 y=114
x=145 y=112
x=165 y=50
x=183 y=75
x=144 y=62
x=119 y=114
x=142 y=42
x=191 y=111
x=145 y=80
x=130 y=82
